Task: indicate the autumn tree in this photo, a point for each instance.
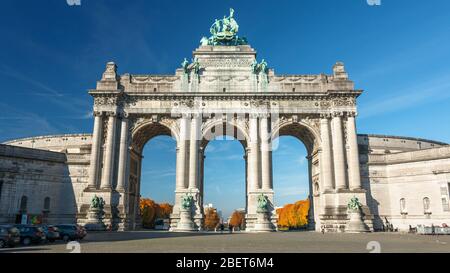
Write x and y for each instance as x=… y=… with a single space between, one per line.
x=237 y=219
x=150 y=211
x=165 y=209
x=293 y=215
x=211 y=218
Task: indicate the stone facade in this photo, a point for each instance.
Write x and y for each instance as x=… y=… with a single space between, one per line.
x=403 y=180
x=407 y=180
x=392 y=169
x=37 y=183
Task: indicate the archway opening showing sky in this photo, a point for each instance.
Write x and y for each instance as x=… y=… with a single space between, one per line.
x=158 y=170
x=224 y=172
x=290 y=171
x=224 y=181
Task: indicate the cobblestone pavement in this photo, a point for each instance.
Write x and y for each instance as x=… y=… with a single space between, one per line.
x=160 y=241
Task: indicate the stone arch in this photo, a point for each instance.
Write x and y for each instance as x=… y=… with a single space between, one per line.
x=148 y=129
x=302 y=130
x=239 y=132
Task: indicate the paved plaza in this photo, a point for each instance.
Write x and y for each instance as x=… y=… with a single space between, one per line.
x=160 y=241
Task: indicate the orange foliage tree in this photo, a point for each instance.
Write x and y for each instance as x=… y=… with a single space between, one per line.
x=165 y=209
x=211 y=218
x=237 y=219
x=293 y=215
x=150 y=210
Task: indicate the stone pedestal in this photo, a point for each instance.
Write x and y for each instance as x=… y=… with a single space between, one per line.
x=356 y=223
x=263 y=223
x=94 y=221
x=185 y=223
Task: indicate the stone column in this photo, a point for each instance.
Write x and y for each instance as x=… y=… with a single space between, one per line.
x=311 y=217
x=123 y=155
x=109 y=153
x=246 y=178
x=95 y=150
x=138 y=193
x=193 y=152
x=326 y=160
x=201 y=173
x=253 y=154
x=182 y=155
x=339 y=153
x=354 y=172
x=266 y=154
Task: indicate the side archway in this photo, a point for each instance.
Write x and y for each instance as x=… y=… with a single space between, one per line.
x=141 y=132
x=307 y=132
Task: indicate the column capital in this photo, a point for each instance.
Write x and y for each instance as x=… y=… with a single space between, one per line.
x=351 y=114
x=264 y=115
x=185 y=115
x=325 y=116
x=196 y=115
x=97 y=113
x=253 y=115
x=111 y=113
x=123 y=115
x=338 y=114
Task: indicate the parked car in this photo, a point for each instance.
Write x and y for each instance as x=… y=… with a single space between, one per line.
x=162 y=224
x=71 y=232
x=9 y=236
x=31 y=234
x=51 y=232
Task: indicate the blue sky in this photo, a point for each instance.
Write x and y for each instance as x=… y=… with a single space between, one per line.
x=51 y=53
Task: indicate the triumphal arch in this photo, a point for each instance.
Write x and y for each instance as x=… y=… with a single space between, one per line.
x=225 y=90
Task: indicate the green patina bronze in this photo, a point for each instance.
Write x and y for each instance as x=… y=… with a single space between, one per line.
x=260 y=67
x=194 y=66
x=185 y=65
x=354 y=204
x=186 y=201
x=97 y=202
x=224 y=32
x=263 y=203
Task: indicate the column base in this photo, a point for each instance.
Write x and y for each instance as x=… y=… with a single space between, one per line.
x=263 y=223
x=185 y=224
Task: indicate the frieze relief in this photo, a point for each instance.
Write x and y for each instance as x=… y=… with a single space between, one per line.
x=153 y=79
x=232 y=79
x=226 y=62
x=344 y=101
x=105 y=100
x=307 y=79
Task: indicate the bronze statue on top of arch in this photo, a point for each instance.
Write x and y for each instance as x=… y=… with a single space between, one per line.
x=224 y=32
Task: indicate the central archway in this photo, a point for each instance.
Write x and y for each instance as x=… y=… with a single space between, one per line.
x=223 y=131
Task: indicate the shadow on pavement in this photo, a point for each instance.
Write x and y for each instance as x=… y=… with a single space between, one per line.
x=22 y=249
x=146 y=234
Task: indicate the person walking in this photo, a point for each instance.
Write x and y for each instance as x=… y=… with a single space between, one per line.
x=230 y=228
